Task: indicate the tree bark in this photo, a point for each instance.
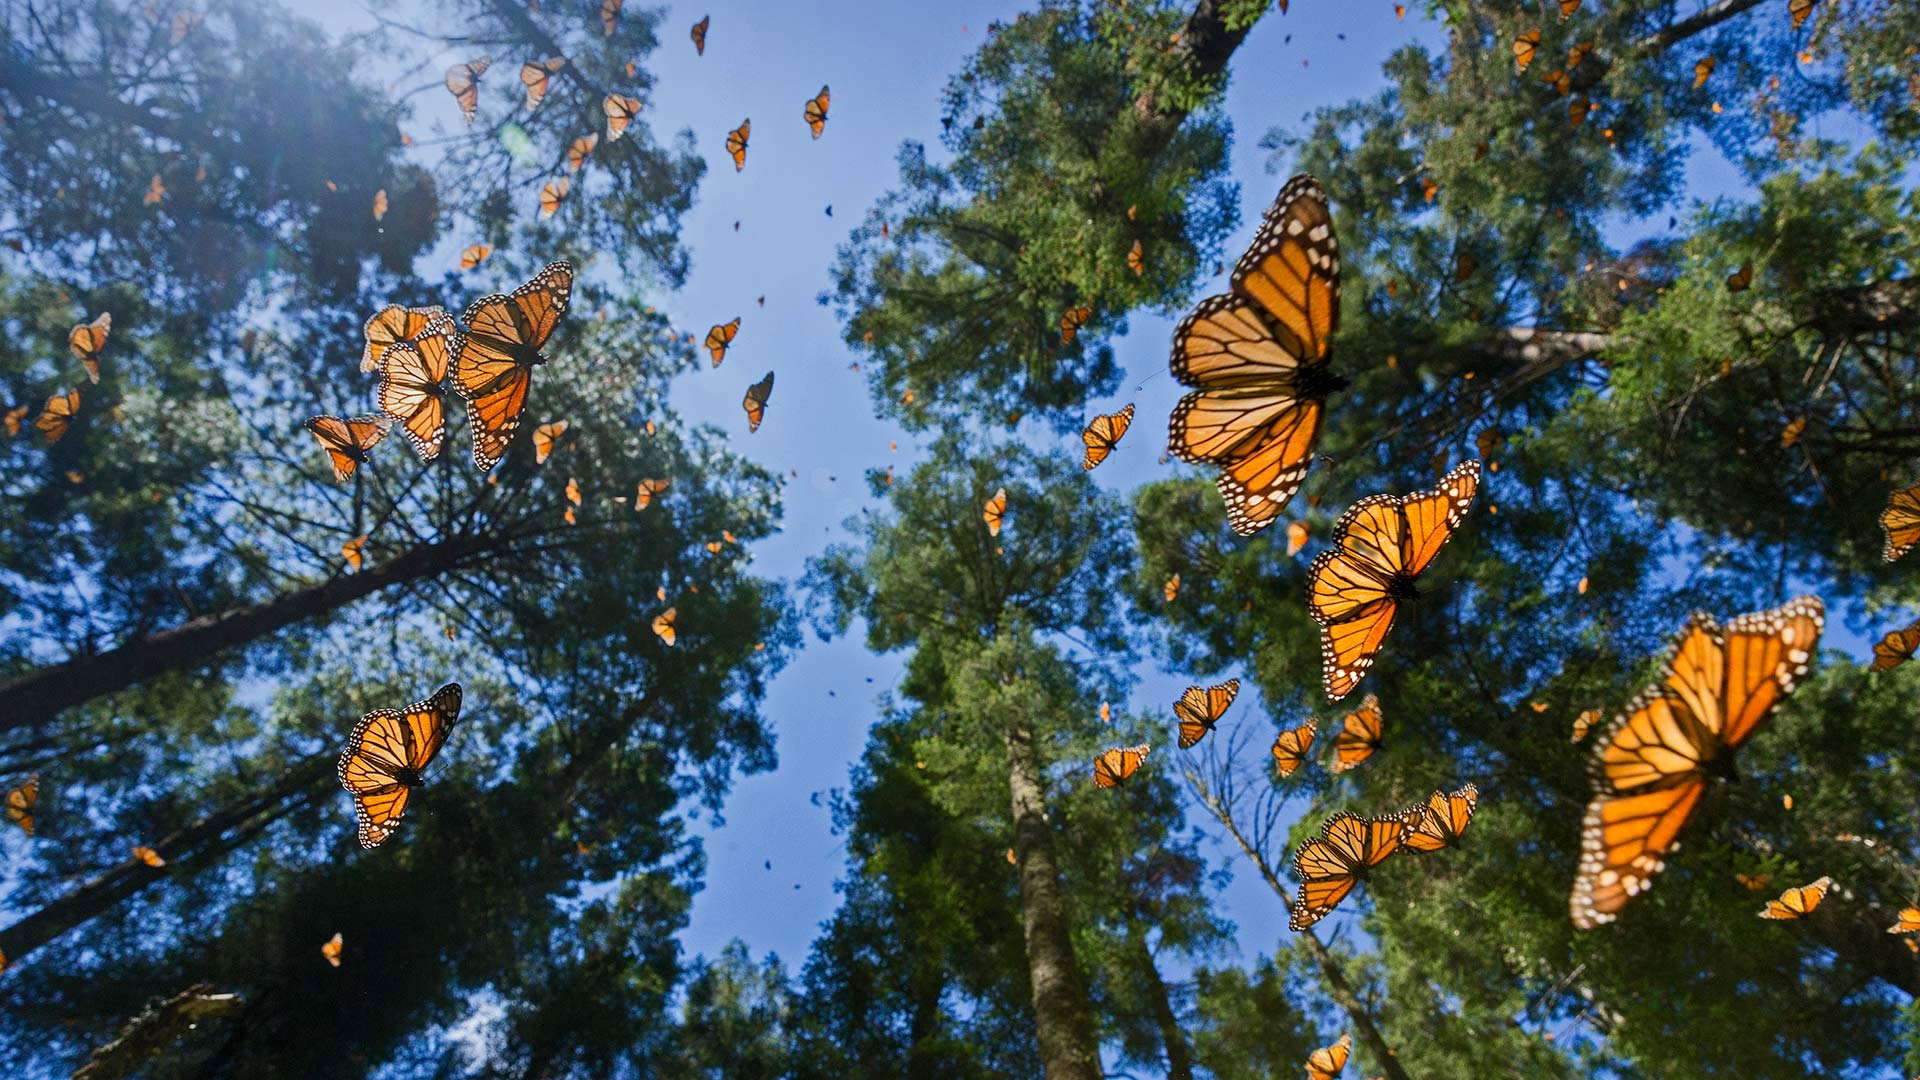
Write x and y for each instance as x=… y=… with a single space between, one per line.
x=206 y=839
x=40 y=693
x=1173 y=1038
x=1206 y=44
x=1063 y=1016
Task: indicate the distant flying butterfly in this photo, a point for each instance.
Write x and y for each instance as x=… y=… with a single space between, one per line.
x=719 y=337
x=1359 y=735
x=1103 y=433
x=994 y=512
x=353 y=551
x=816 y=112
x=474 y=255
x=1907 y=923
x=1116 y=764
x=87 y=340
x=1798 y=10
x=156 y=191
x=579 y=150
x=1798 y=903
x=1199 y=710
x=411 y=374
x=1703 y=70
x=700 y=35
x=1330 y=865
x=737 y=144
x=1792 y=432
x=1137 y=259
x=1381 y=545
x=147 y=856
x=380 y=204
x=1291 y=745
x=497 y=352
x=1441 y=820
x=1740 y=279
x=663 y=625
x=1257 y=358
x=1171 y=588
x=545 y=437
x=573 y=494
x=609 y=15
x=1524 y=47
x=620 y=110
x=1651 y=766
x=552 y=193
x=348 y=441
x=1297 y=536
x=463 y=82
x=54 y=421
x=649 y=490
x=330 y=949
x=387 y=757
x=1584 y=723
x=21 y=803
x=536 y=74
x=13 y=418
x=1901 y=522
x=756 y=402
x=1071 y=321
x=1896 y=648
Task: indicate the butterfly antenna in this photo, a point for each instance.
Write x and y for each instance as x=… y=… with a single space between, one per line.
x=1143 y=382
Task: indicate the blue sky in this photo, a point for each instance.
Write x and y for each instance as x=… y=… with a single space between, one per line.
x=886 y=64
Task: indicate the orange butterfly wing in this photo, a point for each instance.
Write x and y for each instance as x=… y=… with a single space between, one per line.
x=1103 y=434
x=1359 y=736
x=1116 y=764
x=1331 y=864
x=386 y=755
x=1328 y=1062
x=1901 y=521
x=1798 y=903
x=348 y=441
x=719 y=338
x=737 y=144
x=410 y=376
x=1199 y=710
x=816 y=112
x=494 y=359
x=1290 y=746
x=1896 y=648
x=1442 y=819
x=756 y=402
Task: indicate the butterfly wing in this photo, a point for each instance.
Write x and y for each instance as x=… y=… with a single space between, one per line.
x=816 y=112
x=1328 y=1062
x=719 y=338
x=1798 y=903
x=700 y=36
x=737 y=144
x=493 y=360
x=1431 y=516
x=1648 y=782
x=995 y=511
x=1732 y=680
x=1440 y=821
x=21 y=803
x=1896 y=648
x=1199 y=710
x=369 y=768
x=1103 y=434
x=347 y=441
x=1901 y=522
x=756 y=402
x=1290 y=746
x=410 y=376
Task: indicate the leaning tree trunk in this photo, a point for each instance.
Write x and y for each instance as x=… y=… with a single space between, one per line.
x=30 y=698
x=191 y=847
x=1173 y=1038
x=1063 y=1016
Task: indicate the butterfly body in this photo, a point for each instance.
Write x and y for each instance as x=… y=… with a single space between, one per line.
x=386 y=759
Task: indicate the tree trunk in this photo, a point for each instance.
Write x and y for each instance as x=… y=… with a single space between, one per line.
x=1173 y=1038
x=207 y=839
x=1063 y=1017
x=923 y=1058
x=40 y=693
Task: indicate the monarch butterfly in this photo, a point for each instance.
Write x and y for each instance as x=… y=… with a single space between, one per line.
x=331 y=949
x=1328 y=1062
x=719 y=337
x=58 y=416
x=87 y=339
x=1578 y=53
x=1584 y=723
x=994 y=513
x=410 y=376
x=155 y=192
x=663 y=625
x=380 y=204
x=1137 y=259
x=348 y=441
x=494 y=359
x=609 y=14
x=1524 y=47
x=1798 y=10
x=1753 y=884
x=700 y=35
x=353 y=551
x=1071 y=321
x=535 y=74
x=581 y=147
x=1359 y=736
x=1798 y=903
x=620 y=111
x=387 y=757
x=756 y=402
x=816 y=112
x=737 y=144
x=1171 y=589
x=22 y=801
x=1199 y=710
x=1577 y=112
x=1792 y=432
x=393 y=324
x=544 y=437
x=1380 y=547
x=1651 y=766
x=573 y=496
x=1103 y=434
x=474 y=255
x=1567 y=8
x=552 y=193
x=1115 y=764
x=463 y=82
x=1290 y=746
x=1257 y=356
x=1896 y=648
x=713 y=547
x=1440 y=821
x=1901 y=522
x=13 y=418
x=1330 y=865
x=649 y=490
x=1297 y=536
x=1908 y=922
x=1740 y=279
x=147 y=855
x=1702 y=70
